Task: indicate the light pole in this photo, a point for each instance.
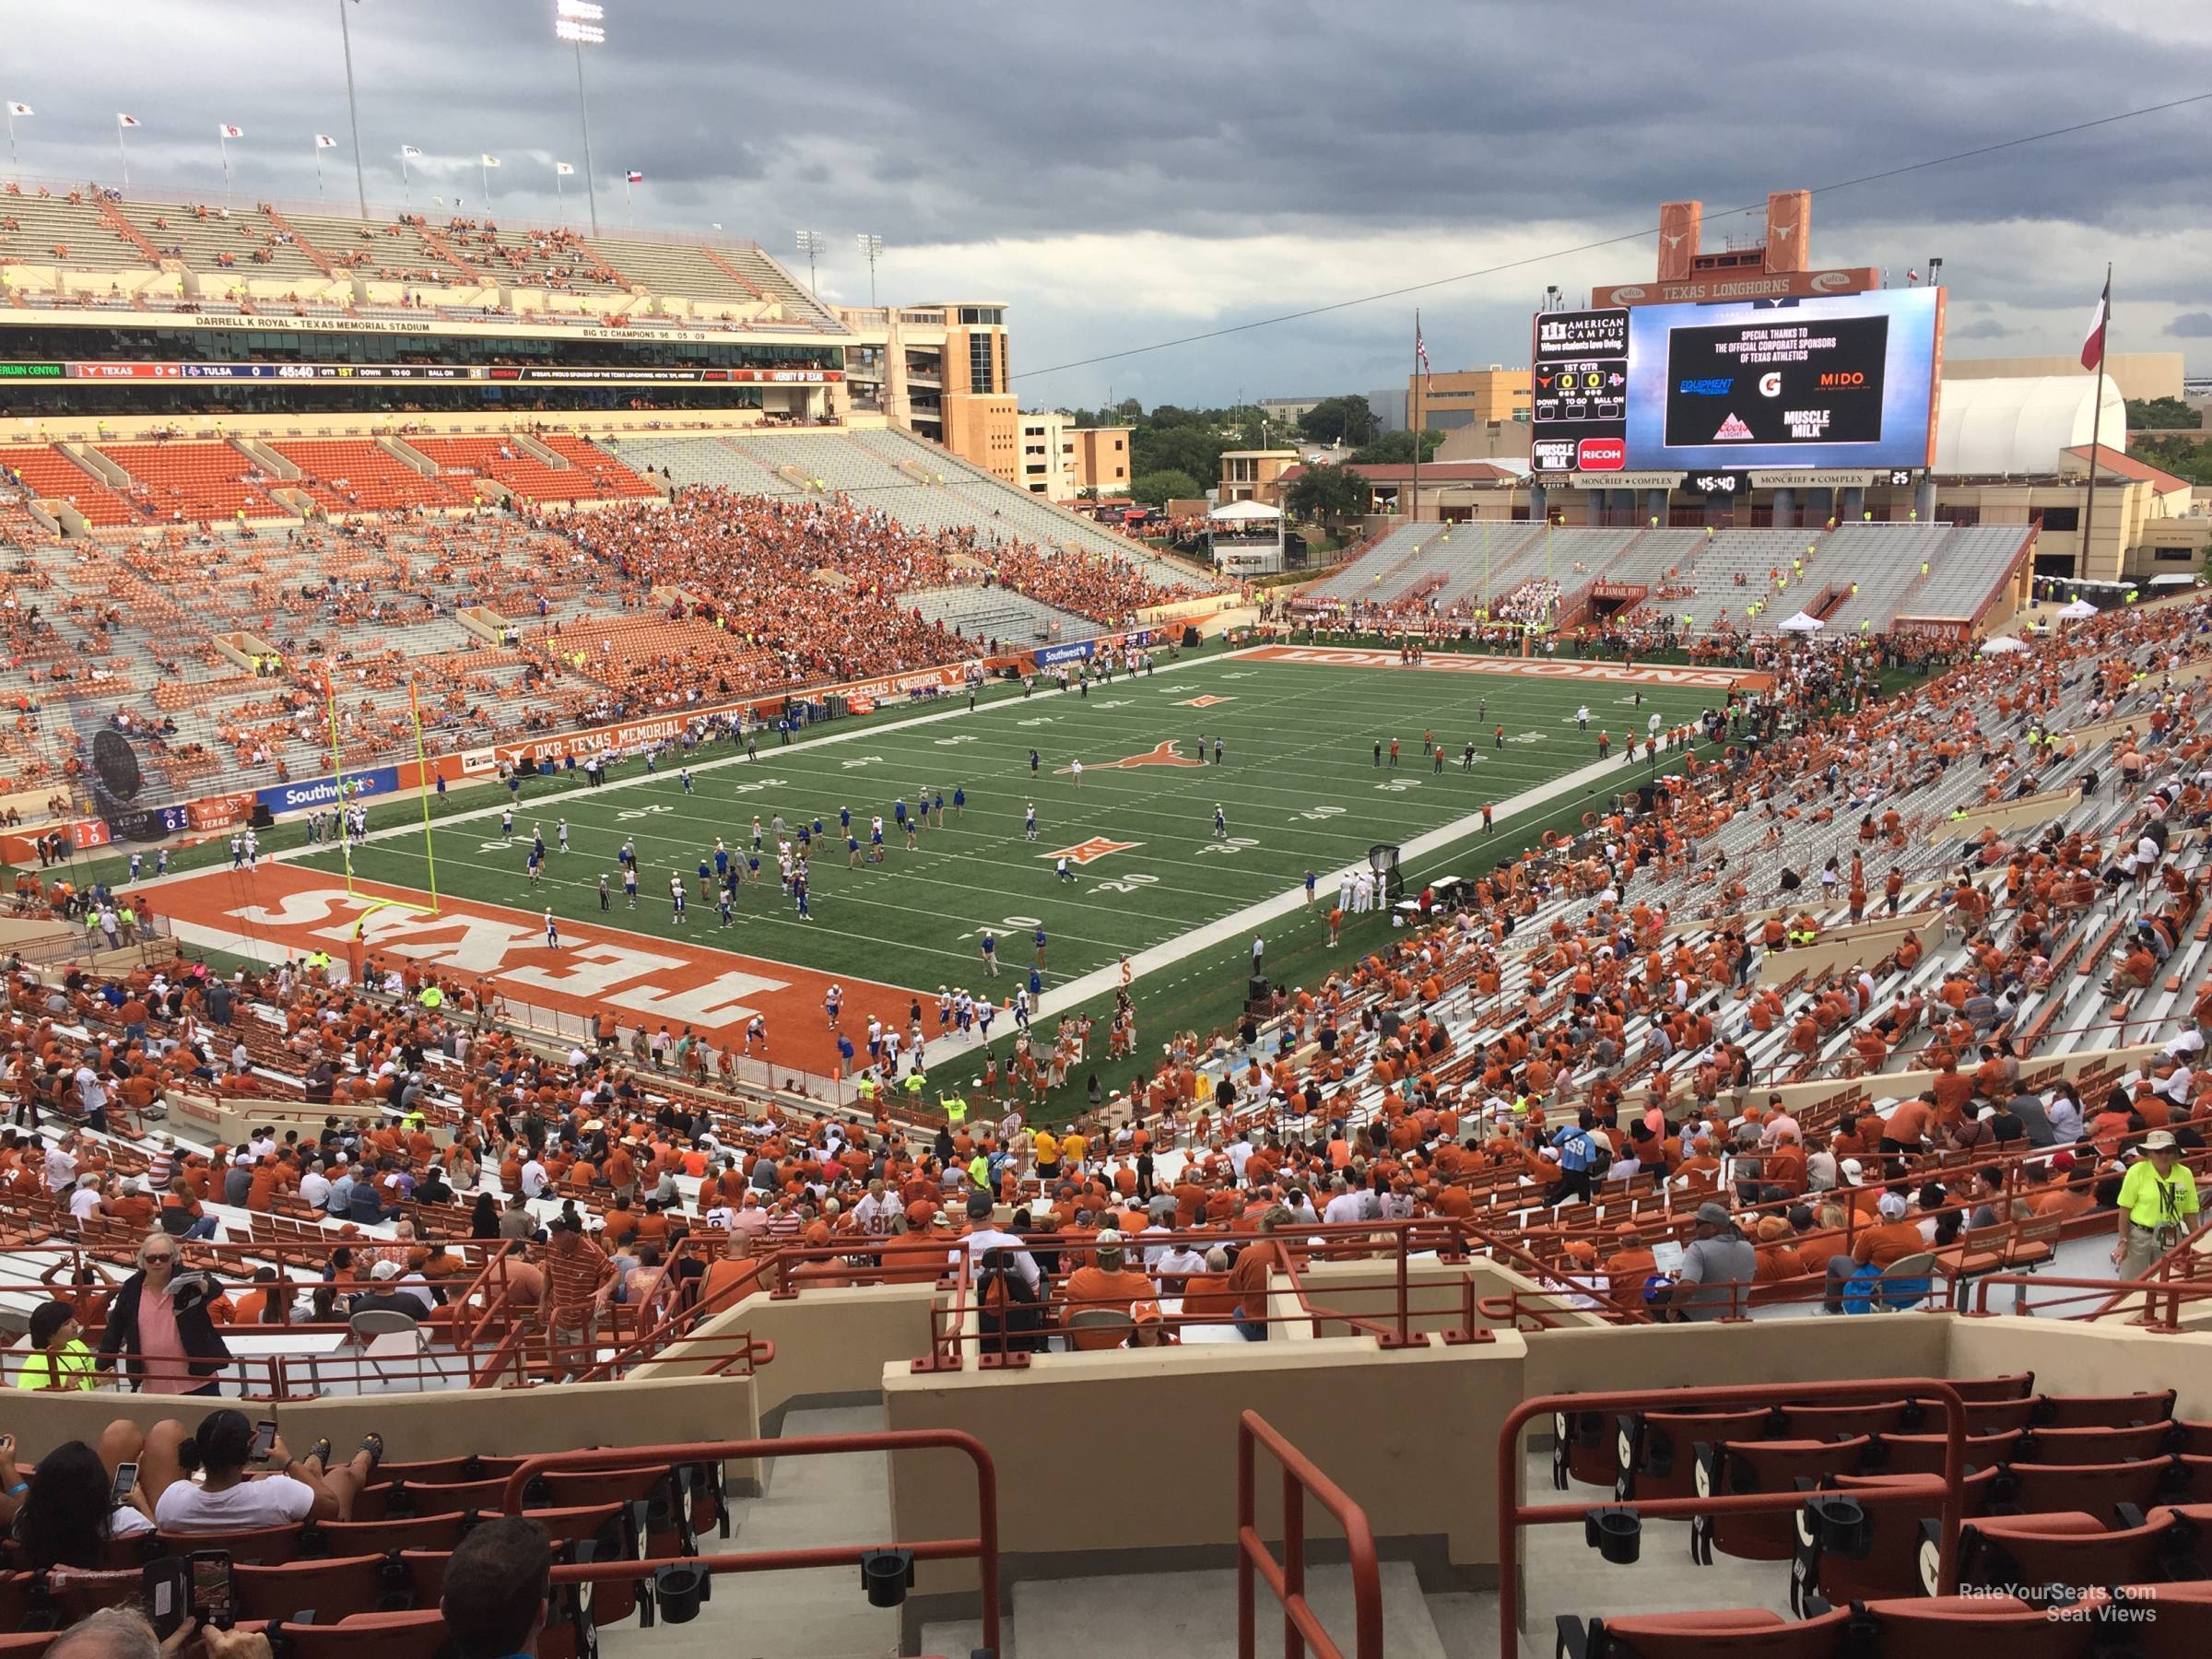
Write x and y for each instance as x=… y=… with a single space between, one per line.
x=582 y=23
x=871 y=250
x=353 y=114
x=812 y=244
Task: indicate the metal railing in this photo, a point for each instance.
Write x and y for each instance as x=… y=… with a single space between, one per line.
x=982 y=1547
x=1947 y=1490
x=1285 y=1578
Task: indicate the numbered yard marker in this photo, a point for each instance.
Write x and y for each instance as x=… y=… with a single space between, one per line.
x=638 y=812
x=1315 y=815
x=1126 y=884
x=1232 y=845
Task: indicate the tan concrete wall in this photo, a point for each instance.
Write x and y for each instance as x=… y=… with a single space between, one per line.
x=2106 y=1357
x=829 y=1343
x=1408 y=1436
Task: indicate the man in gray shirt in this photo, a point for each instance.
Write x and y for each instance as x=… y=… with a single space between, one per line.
x=2027 y=1106
x=1717 y=1270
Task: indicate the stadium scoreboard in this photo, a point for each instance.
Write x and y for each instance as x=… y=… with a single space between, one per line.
x=1809 y=383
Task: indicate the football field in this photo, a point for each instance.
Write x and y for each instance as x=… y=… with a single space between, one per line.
x=1298 y=783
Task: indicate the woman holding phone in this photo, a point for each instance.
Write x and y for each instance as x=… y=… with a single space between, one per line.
x=232 y=1496
x=72 y=1509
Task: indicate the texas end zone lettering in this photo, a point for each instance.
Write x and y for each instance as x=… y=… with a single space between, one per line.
x=292 y=911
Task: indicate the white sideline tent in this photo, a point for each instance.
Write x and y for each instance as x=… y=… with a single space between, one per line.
x=2081 y=610
x=1802 y=624
x=2003 y=645
x=1246 y=538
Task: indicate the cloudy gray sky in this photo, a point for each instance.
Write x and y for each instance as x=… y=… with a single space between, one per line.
x=1127 y=174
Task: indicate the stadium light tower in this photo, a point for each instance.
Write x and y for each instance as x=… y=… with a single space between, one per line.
x=871 y=250
x=583 y=23
x=353 y=114
x=812 y=244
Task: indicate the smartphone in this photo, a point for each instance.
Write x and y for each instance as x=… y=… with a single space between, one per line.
x=126 y=1477
x=264 y=1438
x=212 y=1602
x=168 y=1593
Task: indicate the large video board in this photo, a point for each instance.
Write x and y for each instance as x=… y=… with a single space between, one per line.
x=1848 y=382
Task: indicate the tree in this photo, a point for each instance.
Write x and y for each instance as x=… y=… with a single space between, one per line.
x=1395 y=449
x=1346 y=419
x=1326 y=493
x=2154 y=413
x=2181 y=457
x=1158 y=488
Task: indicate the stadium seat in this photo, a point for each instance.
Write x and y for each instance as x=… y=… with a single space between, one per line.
x=1652 y=1448
x=2102 y=1411
x=2070 y=1550
x=324 y=1591
x=1739 y=1466
x=411 y=1635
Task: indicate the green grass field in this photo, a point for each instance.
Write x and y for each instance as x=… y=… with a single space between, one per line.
x=1298 y=783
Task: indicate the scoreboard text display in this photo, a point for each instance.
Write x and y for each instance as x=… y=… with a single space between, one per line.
x=1842 y=381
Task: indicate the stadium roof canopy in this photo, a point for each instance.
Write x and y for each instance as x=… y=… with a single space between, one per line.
x=2019 y=425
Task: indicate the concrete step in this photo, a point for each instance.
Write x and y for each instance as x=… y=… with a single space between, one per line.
x=1192 y=1615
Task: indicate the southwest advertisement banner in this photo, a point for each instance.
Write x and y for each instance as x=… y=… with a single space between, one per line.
x=1787 y=384
x=1075 y=651
x=325 y=792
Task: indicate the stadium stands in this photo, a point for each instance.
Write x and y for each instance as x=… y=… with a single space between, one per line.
x=48 y=472
x=1695 y=581
x=355 y=475
x=194 y=482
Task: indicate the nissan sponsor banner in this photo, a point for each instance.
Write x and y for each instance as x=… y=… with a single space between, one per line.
x=1076 y=650
x=1843 y=382
x=327 y=792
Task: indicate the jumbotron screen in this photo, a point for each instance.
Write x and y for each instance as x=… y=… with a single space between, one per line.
x=1846 y=382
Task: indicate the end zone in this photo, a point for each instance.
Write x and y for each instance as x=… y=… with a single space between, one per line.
x=282 y=911
x=1612 y=673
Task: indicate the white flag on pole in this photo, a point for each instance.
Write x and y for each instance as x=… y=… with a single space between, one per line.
x=126 y=120
x=228 y=131
x=17 y=109
x=489 y=161
x=411 y=152
x=563 y=169
x=324 y=141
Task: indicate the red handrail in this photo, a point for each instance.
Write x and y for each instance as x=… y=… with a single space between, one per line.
x=982 y=1547
x=1303 y=1631
x=1512 y=1514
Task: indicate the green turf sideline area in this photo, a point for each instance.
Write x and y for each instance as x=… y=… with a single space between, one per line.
x=1298 y=784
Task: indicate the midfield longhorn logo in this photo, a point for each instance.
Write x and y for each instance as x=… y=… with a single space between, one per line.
x=1160 y=754
x=1089 y=851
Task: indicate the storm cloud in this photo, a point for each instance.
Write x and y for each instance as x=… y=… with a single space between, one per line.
x=1125 y=175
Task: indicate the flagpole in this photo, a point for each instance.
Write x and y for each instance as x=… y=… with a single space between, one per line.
x=223 y=144
x=1413 y=400
x=124 y=151
x=13 y=166
x=561 y=196
x=318 y=149
x=2105 y=335
x=406 y=182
